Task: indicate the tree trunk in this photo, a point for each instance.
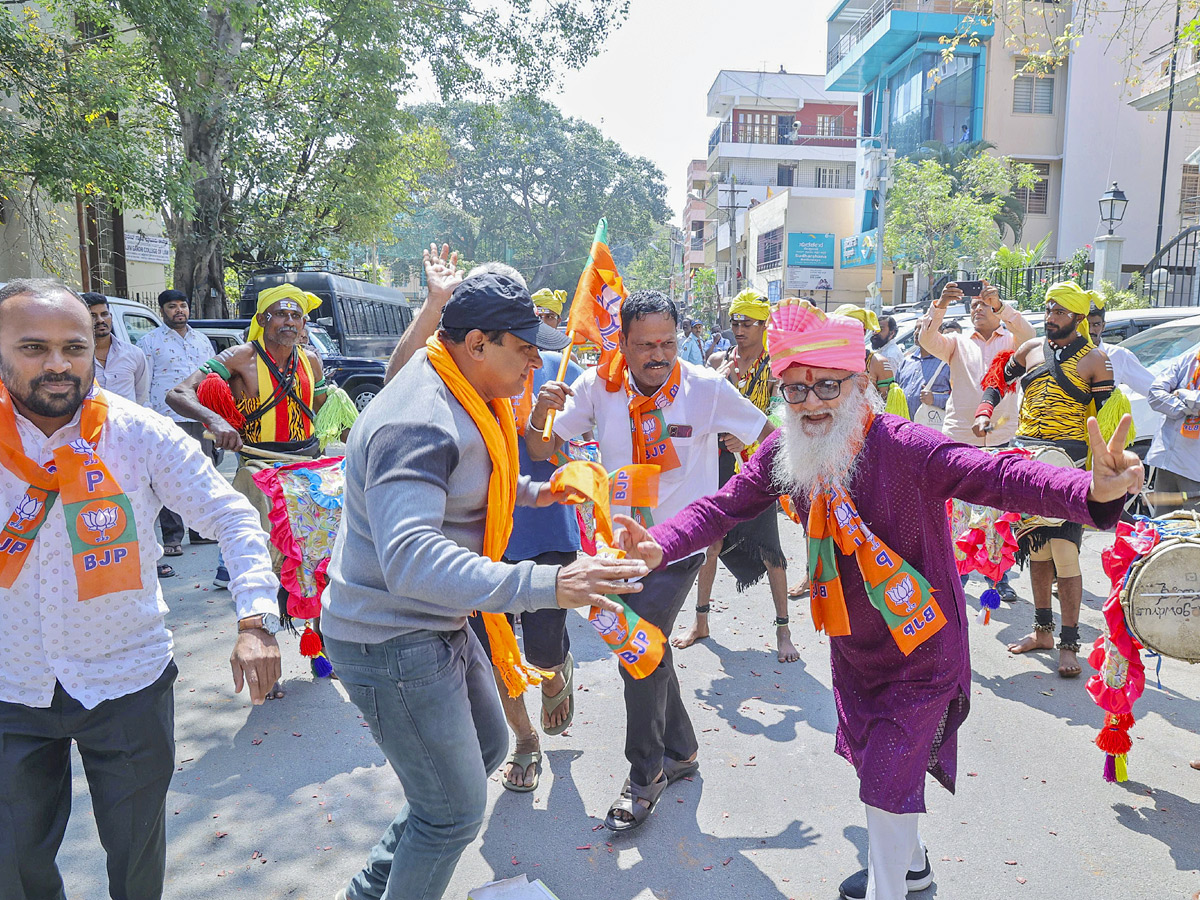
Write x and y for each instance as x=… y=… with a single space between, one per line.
x=199 y=248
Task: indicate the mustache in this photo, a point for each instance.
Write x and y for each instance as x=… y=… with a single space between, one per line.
x=63 y=378
x=655 y=365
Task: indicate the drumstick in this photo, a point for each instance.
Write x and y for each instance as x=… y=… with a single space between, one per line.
x=1168 y=498
x=265 y=454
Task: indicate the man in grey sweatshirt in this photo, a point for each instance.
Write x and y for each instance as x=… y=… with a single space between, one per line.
x=407 y=569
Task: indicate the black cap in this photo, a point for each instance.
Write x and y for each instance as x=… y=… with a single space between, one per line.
x=492 y=302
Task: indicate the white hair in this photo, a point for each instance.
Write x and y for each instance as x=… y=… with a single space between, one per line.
x=499 y=268
x=805 y=461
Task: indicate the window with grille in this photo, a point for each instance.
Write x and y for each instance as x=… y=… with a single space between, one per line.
x=770 y=249
x=1036 y=199
x=1189 y=194
x=829 y=126
x=827 y=177
x=1032 y=93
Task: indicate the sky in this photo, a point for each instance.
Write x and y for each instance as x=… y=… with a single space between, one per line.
x=648 y=88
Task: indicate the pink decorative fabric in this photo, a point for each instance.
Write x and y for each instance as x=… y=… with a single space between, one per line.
x=306 y=511
x=802 y=335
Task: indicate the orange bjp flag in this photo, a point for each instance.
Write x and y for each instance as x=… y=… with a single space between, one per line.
x=595 y=316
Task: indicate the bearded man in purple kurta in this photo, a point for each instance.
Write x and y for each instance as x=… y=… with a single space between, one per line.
x=873 y=490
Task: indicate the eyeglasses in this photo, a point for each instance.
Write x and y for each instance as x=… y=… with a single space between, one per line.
x=825 y=389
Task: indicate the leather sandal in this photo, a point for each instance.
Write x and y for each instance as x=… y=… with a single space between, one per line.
x=524 y=760
x=675 y=769
x=173 y=550
x=550 y=705
x=628 y=803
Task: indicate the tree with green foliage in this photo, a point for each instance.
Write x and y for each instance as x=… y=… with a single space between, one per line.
x=706 y=304
x=935 y=215
x=653 y=263
x=280 y=123
x=526 y=185
x=1010 y=217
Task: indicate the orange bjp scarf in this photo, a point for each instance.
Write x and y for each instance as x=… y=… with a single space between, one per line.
x=103 y=534
x=499 y=431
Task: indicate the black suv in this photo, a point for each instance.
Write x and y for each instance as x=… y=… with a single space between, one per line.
x=359 y=377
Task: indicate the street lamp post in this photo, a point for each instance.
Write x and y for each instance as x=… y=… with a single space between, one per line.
x=1108 y=246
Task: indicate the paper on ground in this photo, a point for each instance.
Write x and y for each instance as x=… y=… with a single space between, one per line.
x=517 y=888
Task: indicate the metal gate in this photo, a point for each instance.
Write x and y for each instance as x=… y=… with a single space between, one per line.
x=1170 y=278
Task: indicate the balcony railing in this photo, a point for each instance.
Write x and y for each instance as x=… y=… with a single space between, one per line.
x=698 y=242
x=868 y=20
x=828 y=178
x=781 y=135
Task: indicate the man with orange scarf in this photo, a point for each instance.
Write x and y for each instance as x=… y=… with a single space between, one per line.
x=669 y=413
x=431 y=485
x=87 y=658
x=872 y=488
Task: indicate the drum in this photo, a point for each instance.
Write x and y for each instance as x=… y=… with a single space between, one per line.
x=1051 y=456
x=1161 y=596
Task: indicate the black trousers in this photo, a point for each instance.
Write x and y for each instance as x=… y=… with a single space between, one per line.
x=544 y=638
x=656 y=719
x=128 y=751
x=170 y=523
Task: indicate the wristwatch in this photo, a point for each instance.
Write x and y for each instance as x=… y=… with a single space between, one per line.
x=268 y=622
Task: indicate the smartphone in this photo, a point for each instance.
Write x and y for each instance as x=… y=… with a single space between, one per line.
x=970 y=288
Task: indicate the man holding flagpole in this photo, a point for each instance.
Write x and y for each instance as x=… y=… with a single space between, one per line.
x=645 y=405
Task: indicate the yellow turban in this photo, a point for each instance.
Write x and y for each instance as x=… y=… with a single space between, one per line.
x=551 y=300
x=268 y=298
x=750 y=303
x=1073 y=299
x=867 y=317
x=1097 y=301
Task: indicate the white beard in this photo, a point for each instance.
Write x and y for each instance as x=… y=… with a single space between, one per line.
x=804 y=462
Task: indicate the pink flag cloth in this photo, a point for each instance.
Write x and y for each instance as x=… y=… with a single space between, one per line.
x=799 y=334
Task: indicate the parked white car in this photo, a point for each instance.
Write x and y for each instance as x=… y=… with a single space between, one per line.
x=1155 y=348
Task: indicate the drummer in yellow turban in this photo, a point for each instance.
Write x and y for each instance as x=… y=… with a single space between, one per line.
x=879 y=370
x=1065 y=379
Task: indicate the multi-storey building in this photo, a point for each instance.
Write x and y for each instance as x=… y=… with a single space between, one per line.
x=1072 y=124
x=777 y=134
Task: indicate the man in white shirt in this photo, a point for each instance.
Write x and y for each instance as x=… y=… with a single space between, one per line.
x=87 y=653
x=121 y=368
x=1127 y=368
x=175 y=350
x=884 y=343
x=998 y=327
x=666 y=412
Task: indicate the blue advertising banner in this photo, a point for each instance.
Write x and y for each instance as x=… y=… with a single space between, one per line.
x=814 y=251
x=774 y=290
x=859 y=249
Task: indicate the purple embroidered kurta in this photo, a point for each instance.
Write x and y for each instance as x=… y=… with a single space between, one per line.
x=897 y=715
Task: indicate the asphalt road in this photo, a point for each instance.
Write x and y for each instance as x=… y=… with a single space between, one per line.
x=284 y=800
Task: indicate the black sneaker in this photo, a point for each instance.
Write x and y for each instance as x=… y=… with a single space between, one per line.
x=221 y=579
x=855 y=887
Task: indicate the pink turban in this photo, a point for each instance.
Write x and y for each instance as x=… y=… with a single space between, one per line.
x=799 y=334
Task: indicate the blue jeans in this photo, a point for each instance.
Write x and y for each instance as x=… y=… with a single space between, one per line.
x=431 y=703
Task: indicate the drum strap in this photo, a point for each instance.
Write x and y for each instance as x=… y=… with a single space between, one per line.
x=1053 y=368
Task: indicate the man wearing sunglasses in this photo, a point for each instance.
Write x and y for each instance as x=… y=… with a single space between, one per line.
x=753 y=548
x=1061 y=378
x=873 y=488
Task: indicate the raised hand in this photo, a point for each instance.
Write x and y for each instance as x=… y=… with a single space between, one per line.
x=442 y=273
x=1116 y=472
x=637 y=542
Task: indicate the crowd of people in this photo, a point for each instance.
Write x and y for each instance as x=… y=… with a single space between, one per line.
x=449 y=510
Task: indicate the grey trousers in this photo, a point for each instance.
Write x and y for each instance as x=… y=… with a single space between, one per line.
x=656 y=718
x=128 y=751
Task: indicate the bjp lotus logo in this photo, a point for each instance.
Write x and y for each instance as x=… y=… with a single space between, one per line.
x=28 y=510
x=83 y=448
x=608 y=623
x=100 y=520
x=901 y=594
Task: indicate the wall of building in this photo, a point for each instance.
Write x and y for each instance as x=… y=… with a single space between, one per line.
x=794 y=213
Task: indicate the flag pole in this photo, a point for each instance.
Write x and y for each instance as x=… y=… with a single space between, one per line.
x=562 y=373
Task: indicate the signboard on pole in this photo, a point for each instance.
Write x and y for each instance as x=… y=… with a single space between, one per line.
x=147 y=248
x=810 y=250
x=807 y=278
x=859 y=249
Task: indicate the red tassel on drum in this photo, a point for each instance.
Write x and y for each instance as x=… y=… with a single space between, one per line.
x=215 y=394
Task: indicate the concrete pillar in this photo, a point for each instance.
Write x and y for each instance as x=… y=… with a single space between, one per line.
x=964 y=268
x=1108 y=260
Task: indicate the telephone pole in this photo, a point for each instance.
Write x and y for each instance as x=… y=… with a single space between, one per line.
x=731 y=280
